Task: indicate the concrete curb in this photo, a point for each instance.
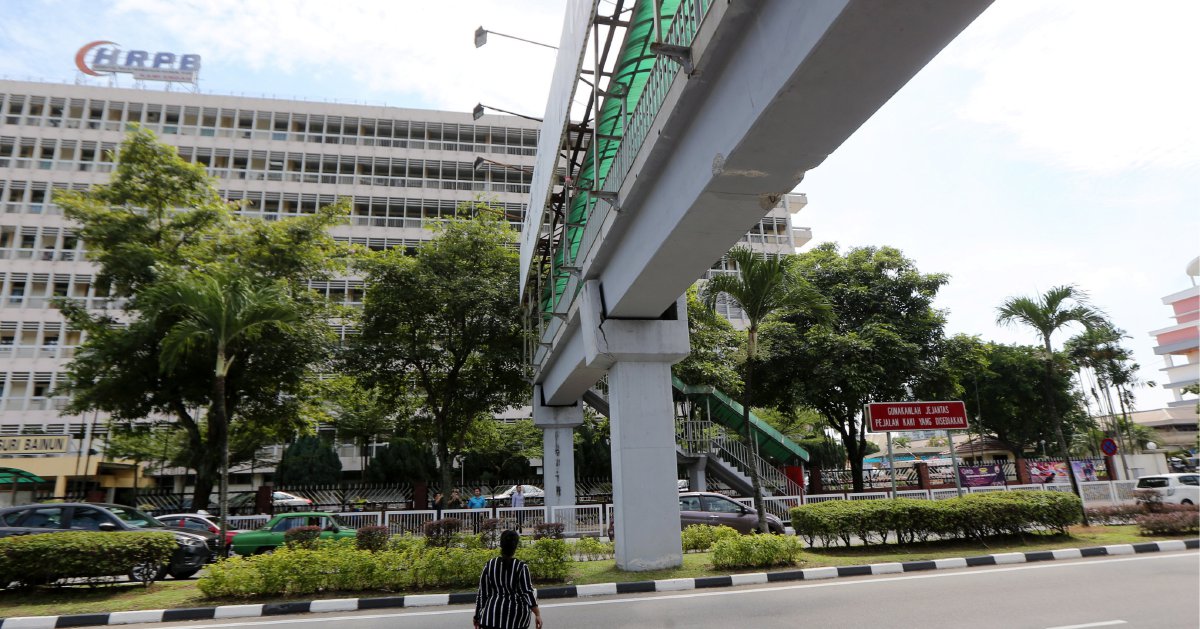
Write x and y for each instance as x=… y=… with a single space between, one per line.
x=579 y=591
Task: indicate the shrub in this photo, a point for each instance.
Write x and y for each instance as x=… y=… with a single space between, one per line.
x=1150 y=500
x=407 y=564
x=302 y=537
x=549 y=559
x=701 y=537
x=37 y=559
x=971 y=516
x=442 y=532
x=1170 y=520
x=372 y=538
x=755 y=551
x=1115 y=514
x=489 y=533
x=548 y=530
x=592 y=549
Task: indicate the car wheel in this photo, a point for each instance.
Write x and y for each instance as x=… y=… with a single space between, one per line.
x=1185 y=501
x=184 y=573
x=147 y=573
x=264 y=550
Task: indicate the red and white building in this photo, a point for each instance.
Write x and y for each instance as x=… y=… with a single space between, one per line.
x=1179 y=345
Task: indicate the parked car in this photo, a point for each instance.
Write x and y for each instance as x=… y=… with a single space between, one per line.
x=534 y=495
x=284 y=499
x=194 y=548
x=713 y=509
x=702 y=507
x=271 y=536
x=195 y=522
x=1180 y=489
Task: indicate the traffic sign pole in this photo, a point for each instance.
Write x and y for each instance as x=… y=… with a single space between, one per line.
x=891 y=464
x=954 y=463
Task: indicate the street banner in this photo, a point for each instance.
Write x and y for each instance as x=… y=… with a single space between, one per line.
x=981 y=475
x=1047 y=472
x=1087 y=471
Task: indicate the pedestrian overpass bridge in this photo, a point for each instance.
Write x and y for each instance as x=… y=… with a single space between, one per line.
x=672 y=127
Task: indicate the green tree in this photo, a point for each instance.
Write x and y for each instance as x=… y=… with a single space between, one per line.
x=443 y=325
x=884 y=343
x=716 y=348
x=218 y=315
x=501 y=451
x=358 y=413
x=158 y=220
x=1046 y=314
x=310 y=460
x=762 y=286
x=593 y=452
x=1009 y=400
x=404 y=458
x=794 y=423
x=143 y=443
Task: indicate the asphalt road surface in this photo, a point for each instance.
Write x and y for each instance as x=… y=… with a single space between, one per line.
x=1159 y=590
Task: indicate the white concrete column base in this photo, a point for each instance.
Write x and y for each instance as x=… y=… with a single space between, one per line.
x=558 y=425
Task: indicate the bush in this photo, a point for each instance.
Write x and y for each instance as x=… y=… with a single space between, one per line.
x=1150 y=500
x=371 y=538
x=1115 y=514
x=549 y=559
x=548 y=530
x=442 y=532
x=489 y=533
x=302 y=537
x=1170 y=520
x=37 y=559
x=592 y=549
x=972 y=516
x=407 y=564
x=755 y=551
x=700 y=537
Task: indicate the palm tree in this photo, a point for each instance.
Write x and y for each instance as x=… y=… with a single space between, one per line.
x=762 y=287
x=1058 y=307
x=214 y=315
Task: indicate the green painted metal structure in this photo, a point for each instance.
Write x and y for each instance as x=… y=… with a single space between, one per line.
x=631 y=73
x=728 y=413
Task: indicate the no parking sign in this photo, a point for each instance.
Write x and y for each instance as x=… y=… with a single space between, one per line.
x=1108 y=446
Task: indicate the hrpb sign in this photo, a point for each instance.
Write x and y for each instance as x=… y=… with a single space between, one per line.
x=34 y=444
x=900 y=416
x=99 y=58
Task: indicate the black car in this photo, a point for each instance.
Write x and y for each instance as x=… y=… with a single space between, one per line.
x=195 y=548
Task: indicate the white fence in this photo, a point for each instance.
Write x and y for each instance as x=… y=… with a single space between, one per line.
x=580 y=520
x=1095 y=493
x=248 y=522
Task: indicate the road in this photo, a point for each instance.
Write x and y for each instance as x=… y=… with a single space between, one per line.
x=1158 y=590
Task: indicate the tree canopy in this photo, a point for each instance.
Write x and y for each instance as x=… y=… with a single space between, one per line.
x=160 y=224
x=310 y=460
x=885 y=341
x=442 y=325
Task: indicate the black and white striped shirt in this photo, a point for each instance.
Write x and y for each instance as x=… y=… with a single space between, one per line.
x=505 y=595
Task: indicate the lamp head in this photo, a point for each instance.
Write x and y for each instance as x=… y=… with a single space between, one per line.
x=478 y=163
x=480 y=36
x=477 y=113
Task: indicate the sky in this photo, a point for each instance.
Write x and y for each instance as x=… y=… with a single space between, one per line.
x=1051 y=143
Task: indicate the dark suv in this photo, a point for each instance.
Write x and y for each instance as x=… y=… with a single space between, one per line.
x=194 y=548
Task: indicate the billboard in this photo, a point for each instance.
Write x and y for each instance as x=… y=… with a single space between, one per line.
x=102 y=57
x=980 y=475
x=900 y=416
x=571 y=48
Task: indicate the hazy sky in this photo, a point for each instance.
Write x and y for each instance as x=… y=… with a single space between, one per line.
x=1052 y=143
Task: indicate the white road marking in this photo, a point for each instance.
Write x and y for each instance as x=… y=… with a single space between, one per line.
x=644 y=599
x=1106 y=623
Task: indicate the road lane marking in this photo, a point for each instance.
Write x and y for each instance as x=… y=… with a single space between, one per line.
x=1106 y=623
x=652 y=597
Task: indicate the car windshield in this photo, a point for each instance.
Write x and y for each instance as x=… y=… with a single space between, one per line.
x=134 y=518
x=1152 y=482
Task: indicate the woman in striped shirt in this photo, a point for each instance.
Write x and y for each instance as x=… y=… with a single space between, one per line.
x=506 y=597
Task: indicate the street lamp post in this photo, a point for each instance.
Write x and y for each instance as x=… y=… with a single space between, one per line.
x=481 y=34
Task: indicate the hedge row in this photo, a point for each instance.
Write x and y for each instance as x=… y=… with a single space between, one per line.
x=40 y=559
x=701 y=537
x=974 y=516
x=339 y=566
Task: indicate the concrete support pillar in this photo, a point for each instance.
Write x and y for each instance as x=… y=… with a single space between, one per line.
x=558 y=424
x=697 y=478
x=638 y=355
